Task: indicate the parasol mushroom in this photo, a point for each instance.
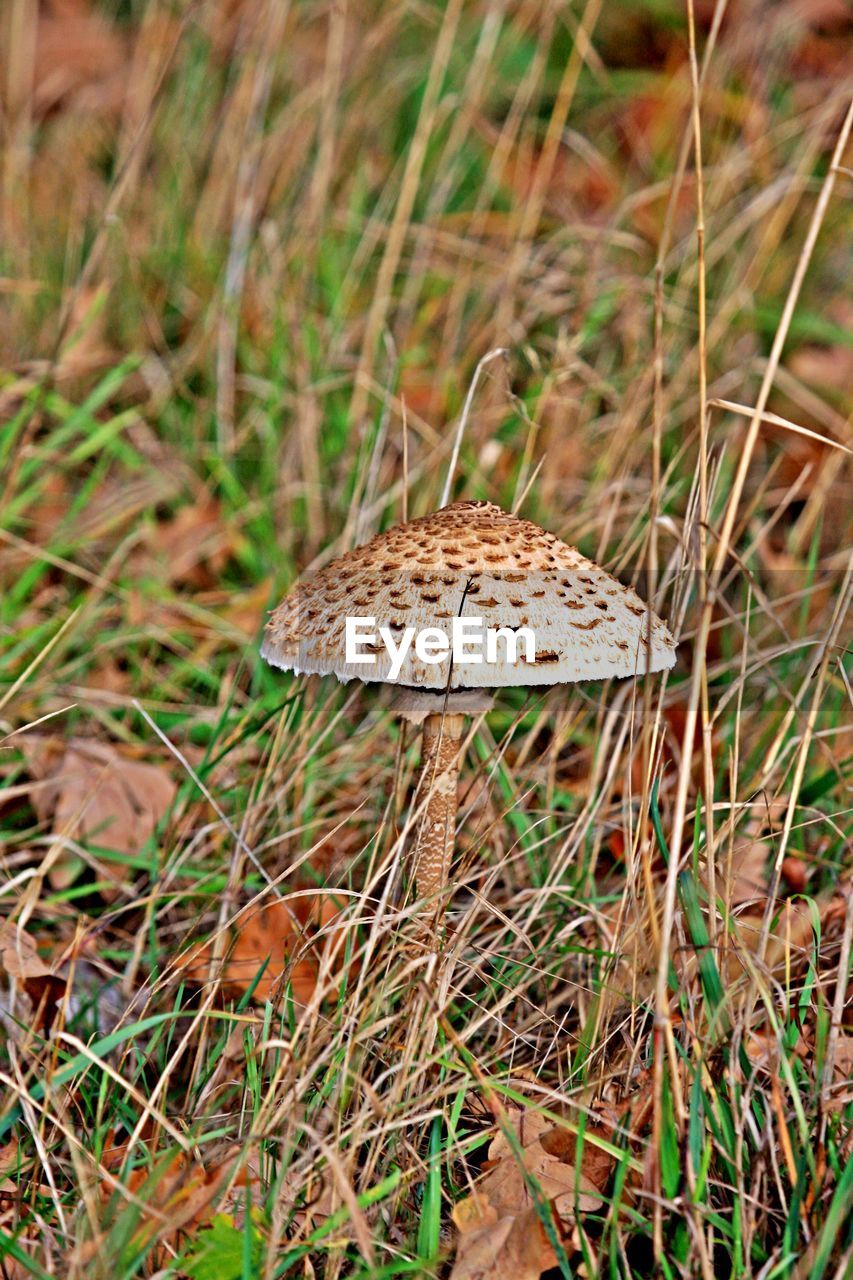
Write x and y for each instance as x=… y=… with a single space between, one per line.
x=394 y=598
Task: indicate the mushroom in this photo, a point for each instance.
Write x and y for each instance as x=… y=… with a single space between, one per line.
x=470 y=560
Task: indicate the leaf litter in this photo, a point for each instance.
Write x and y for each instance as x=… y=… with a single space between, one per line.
x=535 y=1166
x=89 y=790
x=20 y=960
x=81 y=61
x=293 y=940
x=179 y=1195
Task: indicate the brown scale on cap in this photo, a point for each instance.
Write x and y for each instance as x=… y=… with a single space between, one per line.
x=471 y=559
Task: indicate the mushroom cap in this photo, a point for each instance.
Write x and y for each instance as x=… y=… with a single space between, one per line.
x=470 y=559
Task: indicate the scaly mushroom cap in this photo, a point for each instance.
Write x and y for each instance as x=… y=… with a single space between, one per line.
x=470 y=559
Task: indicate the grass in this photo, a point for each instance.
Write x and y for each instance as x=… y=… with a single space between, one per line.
x=250 y=267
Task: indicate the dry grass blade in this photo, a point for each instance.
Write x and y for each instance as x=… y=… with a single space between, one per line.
x=778 y=421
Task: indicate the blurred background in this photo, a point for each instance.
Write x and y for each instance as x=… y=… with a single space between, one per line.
x=238 y=238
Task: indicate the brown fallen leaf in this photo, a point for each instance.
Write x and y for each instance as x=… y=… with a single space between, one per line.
x=117 y=505
x=191 y=549
x=9 y=1158
x=86 y=347
x=765 y=1051
x=795 y=873
x=109 y=678
x=290 y=935
x=182 y=1190
x=492 y=1248
x=14 y=1161
x=788 y=938
x=180 y=1195
x=548 y=1158
x=246 y=610
x=18 y=953
x=93 y=791
x=789 y=944
x=827 y=368
x=501 y=1233
x=20 y=959
x=80 y=59
x=43 y=518
x=27 y=1236
x=307 y=1203
x=749 y=877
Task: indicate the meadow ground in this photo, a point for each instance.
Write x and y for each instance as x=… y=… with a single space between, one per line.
x=252 y=255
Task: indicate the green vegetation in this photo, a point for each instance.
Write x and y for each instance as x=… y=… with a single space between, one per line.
x=251 y=257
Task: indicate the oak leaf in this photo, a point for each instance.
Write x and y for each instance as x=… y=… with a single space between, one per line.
x=500 y=1229
x=492 y=1247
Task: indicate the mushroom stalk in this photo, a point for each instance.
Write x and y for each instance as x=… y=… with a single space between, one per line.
x=441 y=754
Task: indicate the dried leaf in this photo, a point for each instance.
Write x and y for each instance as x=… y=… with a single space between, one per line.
x=795 y=872
x=80 y=59
x=191 y=549
x=841 y=1085
x=246 y=610
x=789 y=938
x=19 y=955
x=291 y=936
x=43 y=517
x=501 y=1233
x=549 y=1158
x=20 y=959
x=748 y=879
x=85 y=348
x=183 y=1191
x=181 y=1195
x=820 y=13
x=492 y=1248
x=751 y=857
x=579 y=183
x=93 y=791
x=28 y=1236
x=307 y=1204
x=827 y=368
x=9 y=1157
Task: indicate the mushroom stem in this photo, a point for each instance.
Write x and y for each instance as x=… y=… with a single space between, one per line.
x=439 y=773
